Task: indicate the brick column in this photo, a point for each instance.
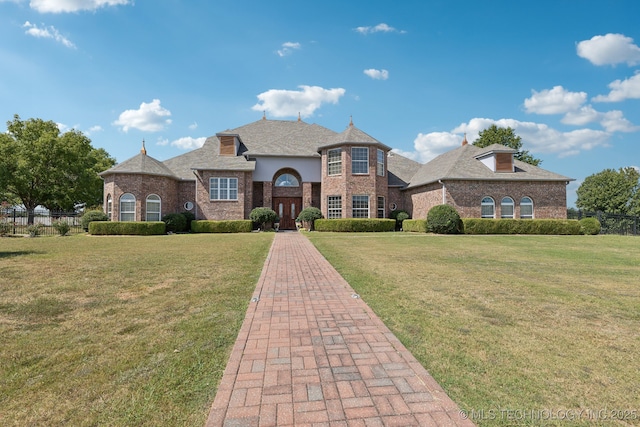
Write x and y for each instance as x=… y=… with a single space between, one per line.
x=267 y=194
x=307 y=194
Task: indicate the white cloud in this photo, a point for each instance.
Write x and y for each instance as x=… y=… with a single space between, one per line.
x=581 y=116
x=288 y=48
x=554 y=101
x=430 y=145
x=614 y=121
x=61 y=6
x=189 y=143
x=609 y=49
x=162 y=142
x=377 y=74
x=193 y=126
x=149 y=117
x=284 y=103
x=96 y=128
x=380 y=28
x=621 y=90
x=48 y=33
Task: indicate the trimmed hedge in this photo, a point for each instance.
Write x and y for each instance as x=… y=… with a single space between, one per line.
x=90 y=216
x=590 y=226
x=129 y=228
x=444 y=219
x=231 y=226
x=355 y=224
x=521 y=226
x=176 y=222
x=414 y=225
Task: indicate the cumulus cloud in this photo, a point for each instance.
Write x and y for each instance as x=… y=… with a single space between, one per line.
x=96 y=128
x=285 y=103
x=288 y=48
x=554 y=101
x=581 y=116
x=188 y=143
x=47 y=33
x=380 y=28
x=614 y=121
x=193 y=126
x=150 y=117
x=609 y=49
x=377 y=74
x=61 y=6
x=429 y=146
x=621 y=90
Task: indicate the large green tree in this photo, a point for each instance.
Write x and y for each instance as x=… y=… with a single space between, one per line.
x=505 y=136
x=612 y=191
x=41 y=166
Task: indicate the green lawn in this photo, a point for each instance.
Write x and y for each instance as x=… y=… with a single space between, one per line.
x=513 y=327
x=120 y=330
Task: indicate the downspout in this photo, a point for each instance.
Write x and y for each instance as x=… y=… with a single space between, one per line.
x=444 y=192
x=195 y=198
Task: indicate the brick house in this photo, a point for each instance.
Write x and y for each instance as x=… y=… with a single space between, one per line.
x=290 y=165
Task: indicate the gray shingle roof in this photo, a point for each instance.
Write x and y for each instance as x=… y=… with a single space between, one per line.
x=141 y=164
x=462 y=164
x=401 y=169
x=352 y=135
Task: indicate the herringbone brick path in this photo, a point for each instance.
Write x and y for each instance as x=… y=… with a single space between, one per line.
x=311 y=353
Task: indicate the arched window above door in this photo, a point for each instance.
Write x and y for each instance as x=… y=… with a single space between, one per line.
x=287 y=180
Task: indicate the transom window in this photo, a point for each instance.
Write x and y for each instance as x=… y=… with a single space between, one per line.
x=526 y=207
x=360 y=160
x=488 y=208
x=380 y=207
x=380 y=164
x=153 y=207
x=127 y=207
x=223 y=188
x=287 y=180
x=334 y=207
x=506 y=207
x=360 y=207
x=334 y=161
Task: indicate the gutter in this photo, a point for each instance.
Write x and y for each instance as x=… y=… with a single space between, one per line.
x=444 y=192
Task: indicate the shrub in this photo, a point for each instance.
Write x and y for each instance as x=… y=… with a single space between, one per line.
x=175 y=222
x=444 y=219
x=308 y=216
x=61 y=226
x=34 y=230
x=5 y=228
x=263 y=217
x=521 y=226
x=355 y=224
x=92 y=215
x=189 y=216
x=232 y=226
x=414 y=225
x=590 y=226
x=399 y=215
x=130 y=228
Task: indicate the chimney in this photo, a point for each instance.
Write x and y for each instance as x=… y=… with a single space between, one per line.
x=464 y=141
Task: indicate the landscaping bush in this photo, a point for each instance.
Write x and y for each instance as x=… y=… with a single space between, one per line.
x=189 y=216
x=263 y=217
x=308 y=216
x=355 y=224
x=444 y=219
x=175 y=222
x=35 y=229
x=92 y=215
x=414 y=225
x=521 y=226
x=590 y=226
x=399 y=215
x=62 y=227
x=232 y=226
x=132 y=228
x=5 y=228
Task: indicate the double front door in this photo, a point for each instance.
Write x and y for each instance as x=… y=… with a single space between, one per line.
x=287 y=209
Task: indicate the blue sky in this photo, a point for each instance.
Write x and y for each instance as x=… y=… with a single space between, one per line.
x=416 y=75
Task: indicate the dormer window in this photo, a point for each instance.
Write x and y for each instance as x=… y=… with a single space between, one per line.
x=498 y=160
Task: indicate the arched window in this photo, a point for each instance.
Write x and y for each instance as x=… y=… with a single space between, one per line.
x=488 y=208
x=287 y=180
x=153 y=207
x=127 y=207
x=526 y=207
x=506 y=207
x=109 y=206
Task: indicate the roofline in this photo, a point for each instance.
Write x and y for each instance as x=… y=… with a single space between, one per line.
x=337 y=144
x=567 y=180
x=301 y=156
x=107 y=172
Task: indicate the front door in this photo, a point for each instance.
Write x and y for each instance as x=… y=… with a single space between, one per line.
x=287 y=209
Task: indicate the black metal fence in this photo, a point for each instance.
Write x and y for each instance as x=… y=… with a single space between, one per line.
x=21 y=221
x=611 y=223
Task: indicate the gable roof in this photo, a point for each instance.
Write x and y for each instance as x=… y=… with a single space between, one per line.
x=401 y=169
x=140 y=164
x=462 y=164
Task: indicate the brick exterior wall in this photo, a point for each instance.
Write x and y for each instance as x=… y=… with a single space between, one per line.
x=549 y=198
x=224 y=209
x=142 y=186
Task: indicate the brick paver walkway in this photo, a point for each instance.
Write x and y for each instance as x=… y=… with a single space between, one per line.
x=311 y=353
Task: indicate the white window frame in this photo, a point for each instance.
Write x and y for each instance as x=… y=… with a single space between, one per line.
x=526 y=201
x=109 y=206
x=153 y=214
x=381 y=209
x=225 y=188
x=334 y=162
x=334 y=207
x=380 y=165
x=505 y=204
x=360 y=162
x=484 y=204
x=360 y=206
x=287 y=180
x=127 y=207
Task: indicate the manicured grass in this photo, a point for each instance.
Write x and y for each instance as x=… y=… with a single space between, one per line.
x=120 y=330
x=510 y=326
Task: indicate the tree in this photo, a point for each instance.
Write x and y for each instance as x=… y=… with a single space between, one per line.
x=611 y=191
x=505 y=136
x=40 y=166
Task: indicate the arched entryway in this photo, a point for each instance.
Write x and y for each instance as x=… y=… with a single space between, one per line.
x=287 y=197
